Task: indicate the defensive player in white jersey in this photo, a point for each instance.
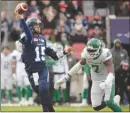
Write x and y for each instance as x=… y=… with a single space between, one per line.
x=6 y=73
x=102 y=75
x=21 y=77
x=60 y=69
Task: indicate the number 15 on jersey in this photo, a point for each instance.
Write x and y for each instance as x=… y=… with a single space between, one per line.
x=40 y=54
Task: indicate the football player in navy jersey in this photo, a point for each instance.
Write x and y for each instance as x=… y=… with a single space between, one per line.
x=34 y=50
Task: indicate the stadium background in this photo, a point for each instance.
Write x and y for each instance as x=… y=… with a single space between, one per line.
x=93 y=17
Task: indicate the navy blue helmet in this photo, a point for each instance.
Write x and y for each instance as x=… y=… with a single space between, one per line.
x=33 y=21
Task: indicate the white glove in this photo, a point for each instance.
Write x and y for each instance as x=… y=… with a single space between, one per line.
x=103 y=85
x=58 y=84
x=61 y=81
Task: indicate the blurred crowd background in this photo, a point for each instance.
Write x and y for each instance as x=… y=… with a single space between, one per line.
x=74 y=22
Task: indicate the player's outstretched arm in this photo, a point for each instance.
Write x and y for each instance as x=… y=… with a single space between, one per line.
x=54 y=55
x=50 y=52
x=71 y=72
x=110 y=76
x=109 y=66
x=25 y=26
x=77 y=67
x=110 y=71
x=26 y=29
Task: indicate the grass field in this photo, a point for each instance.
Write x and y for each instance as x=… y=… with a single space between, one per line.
x=57 y=109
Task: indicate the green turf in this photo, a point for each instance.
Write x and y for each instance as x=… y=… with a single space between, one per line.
x=57 y=108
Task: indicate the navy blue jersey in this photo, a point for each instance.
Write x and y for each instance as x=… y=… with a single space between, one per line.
x=34 y=50
x=34 y=53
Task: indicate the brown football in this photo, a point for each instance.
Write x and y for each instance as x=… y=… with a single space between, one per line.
x=21 y=8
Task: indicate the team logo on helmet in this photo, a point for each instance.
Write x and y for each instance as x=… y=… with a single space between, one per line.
x=94 y=47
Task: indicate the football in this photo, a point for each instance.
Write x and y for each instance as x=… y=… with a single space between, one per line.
x=21 y=8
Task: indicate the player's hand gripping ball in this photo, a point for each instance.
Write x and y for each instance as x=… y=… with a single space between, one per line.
x=21 y=8
x=68 y=49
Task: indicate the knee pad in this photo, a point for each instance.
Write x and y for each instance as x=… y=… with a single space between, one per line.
x=97 y=108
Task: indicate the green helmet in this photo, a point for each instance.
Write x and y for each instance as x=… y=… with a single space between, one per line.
x=94 y=47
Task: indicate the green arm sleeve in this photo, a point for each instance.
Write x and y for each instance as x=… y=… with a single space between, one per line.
x=86 y=69
x=50 y=62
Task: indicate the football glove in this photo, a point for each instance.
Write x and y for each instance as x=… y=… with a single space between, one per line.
x=61 y=81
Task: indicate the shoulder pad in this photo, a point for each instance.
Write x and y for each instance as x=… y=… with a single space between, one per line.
x=106 y=54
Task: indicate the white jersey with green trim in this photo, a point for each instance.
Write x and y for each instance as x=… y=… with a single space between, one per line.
x=20 y=66
x=61 y=66
x=6 y=64
x=98 y=69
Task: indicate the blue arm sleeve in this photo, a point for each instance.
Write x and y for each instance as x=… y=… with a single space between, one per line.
x=26 y=30
x=50 y=52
